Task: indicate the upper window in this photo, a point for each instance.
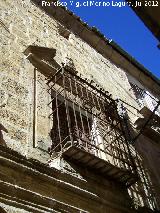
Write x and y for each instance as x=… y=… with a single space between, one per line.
x=144 y=98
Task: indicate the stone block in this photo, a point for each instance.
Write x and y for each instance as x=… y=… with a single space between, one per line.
x=13 y=87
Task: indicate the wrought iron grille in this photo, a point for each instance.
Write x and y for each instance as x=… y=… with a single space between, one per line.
x=139 y=93
x=86 y=117
x=144 y=98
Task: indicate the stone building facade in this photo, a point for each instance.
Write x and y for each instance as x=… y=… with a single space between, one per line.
x=63 y=89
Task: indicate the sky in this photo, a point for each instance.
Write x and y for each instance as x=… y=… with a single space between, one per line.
x=122 y=26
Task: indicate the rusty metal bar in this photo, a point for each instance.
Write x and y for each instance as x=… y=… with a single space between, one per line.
x=67 y=110
x=57 y=113
x=52 y=78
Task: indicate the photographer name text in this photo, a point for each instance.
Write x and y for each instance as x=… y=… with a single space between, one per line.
x=100 y=3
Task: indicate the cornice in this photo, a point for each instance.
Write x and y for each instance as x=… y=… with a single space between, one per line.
x=30 y=180
x=107 y=48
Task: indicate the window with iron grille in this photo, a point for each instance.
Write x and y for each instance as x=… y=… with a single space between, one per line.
x=84 y=117
x=148 y=103
x=144 y=98
x=139 y=93
x=87 y=128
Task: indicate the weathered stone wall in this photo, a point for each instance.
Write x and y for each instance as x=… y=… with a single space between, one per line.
x=151 y=156
x=23 y=24
x=25 y=125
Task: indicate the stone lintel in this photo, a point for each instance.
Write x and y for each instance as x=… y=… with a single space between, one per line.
x=43 y=59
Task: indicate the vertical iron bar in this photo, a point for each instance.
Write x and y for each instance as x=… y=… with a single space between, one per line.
x=73 y=103
x=66 y=105
x=87 y=112
x=94 y=126
x=78 y=105
x=83 y=98
x=126 y=140
x=58 y=121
